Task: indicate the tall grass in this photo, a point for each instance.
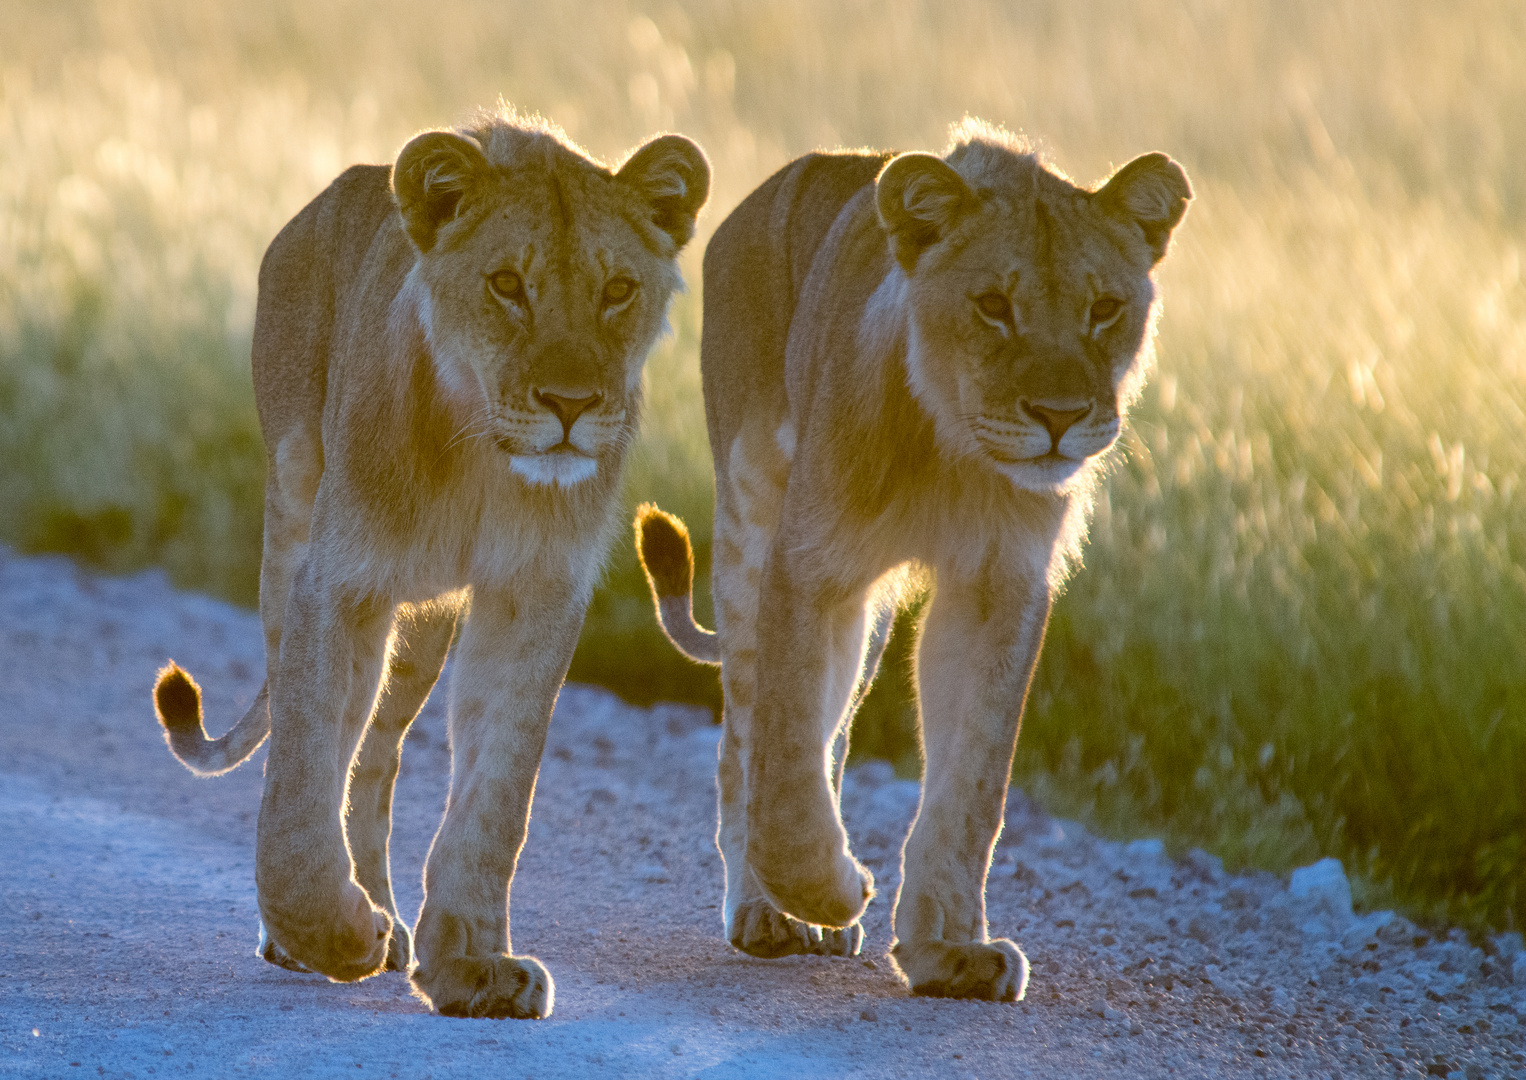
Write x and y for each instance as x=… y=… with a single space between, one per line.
x=1299 y=627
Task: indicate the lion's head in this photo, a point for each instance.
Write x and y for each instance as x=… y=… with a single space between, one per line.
x=540 y=321
x=1027 y=299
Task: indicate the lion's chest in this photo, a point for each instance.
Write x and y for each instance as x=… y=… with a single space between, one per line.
x=476 y=532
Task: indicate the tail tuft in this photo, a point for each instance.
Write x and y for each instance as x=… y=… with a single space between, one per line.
x=662 y=545
x=177 y=699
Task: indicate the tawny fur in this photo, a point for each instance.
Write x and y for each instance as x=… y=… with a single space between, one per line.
x=447 y=363
x=913 y=369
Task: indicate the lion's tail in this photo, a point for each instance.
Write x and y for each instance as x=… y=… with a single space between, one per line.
x=662 y=545
x=177 y=700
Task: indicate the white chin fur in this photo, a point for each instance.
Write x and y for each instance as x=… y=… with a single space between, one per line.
x=559 y=469
x=1051 y=475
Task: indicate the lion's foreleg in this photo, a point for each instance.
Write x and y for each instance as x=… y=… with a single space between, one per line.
x=513 y=655
x=974 y=663
x=420 y=639
x=330 y=664
x=811 y=641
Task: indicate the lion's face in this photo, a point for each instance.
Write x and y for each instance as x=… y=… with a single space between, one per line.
x=540 y=322
x=1028 y=302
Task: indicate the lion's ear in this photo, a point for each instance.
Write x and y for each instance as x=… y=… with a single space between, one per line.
x=1152 y=192
x=919 y=199
x=434 y=174
x=672 y=174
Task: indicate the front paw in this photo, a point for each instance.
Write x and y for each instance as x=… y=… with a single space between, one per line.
x=346 y=945
x=399 y=948
x=268 y=951
x=983 y=970
x=829 y=890
x=759 y=929
x=495 y=987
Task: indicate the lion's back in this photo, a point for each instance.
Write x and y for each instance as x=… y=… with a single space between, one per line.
x=310 y=272
x=755 y=265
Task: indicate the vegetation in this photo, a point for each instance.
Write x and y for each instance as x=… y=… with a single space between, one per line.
x=1299 y=628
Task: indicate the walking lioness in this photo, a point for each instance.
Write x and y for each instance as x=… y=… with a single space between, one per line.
x=447 y=361
x=912 y=368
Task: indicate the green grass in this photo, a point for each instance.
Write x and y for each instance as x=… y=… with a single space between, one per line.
x=1300 y=624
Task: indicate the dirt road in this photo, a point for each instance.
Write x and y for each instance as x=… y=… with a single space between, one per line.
x=127 y=921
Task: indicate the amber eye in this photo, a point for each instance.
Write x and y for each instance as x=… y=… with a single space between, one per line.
x=1104 y=309
x=507 y=284
x=994 y=305
x=618 y=291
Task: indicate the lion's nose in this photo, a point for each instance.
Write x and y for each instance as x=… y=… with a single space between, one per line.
x=567 y=409
x=1057 y=421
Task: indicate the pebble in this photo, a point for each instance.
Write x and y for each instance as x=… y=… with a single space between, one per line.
x=1322 y=887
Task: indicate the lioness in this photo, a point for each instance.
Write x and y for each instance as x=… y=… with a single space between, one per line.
x=447 y=361
x=912 y=368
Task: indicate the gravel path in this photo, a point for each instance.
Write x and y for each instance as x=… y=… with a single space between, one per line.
x=127 y=915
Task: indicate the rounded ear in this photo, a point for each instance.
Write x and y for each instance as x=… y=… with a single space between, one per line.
x=919 y=199
x=1152 y=192
x=434 y=174
x=671 y=173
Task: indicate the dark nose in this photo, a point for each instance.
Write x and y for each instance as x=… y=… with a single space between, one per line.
x=567 y=409
x=1056 y=421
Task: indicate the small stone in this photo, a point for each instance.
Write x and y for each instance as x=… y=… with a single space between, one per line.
x=1099 y=1007
x=869 y=1016
x=1510 y=944
x=1201 y=929
x=1397 y=931
x=1144 y=849
x=1208 y=867
x=1237 y=899
x=1323 y=887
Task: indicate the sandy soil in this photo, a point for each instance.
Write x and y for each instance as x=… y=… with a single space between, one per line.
x=127 y=914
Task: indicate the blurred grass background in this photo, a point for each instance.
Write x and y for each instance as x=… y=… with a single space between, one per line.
x=1300 y=624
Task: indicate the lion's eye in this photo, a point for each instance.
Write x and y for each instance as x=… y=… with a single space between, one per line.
x=507 y=284
x=618 y=291
x=1104 y=309
x=994 y=305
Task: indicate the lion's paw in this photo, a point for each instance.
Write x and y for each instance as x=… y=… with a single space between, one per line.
x=986 y=971
x=834 y=893
x=760 y=929
x=495 y=987
x=271 y=953
x=399 y=949
x=348 y=945
x=841 y=940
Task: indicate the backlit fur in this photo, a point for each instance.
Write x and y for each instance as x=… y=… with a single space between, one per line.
x=447 y=361
x=913 y=369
